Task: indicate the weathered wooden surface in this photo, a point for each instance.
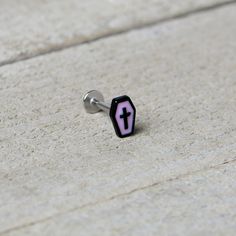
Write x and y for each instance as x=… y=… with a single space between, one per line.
x=65 y=172
x=29 y=28
x=196 y=204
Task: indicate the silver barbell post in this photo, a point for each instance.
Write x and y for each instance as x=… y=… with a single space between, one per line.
x=102 y=105
x=94 y=102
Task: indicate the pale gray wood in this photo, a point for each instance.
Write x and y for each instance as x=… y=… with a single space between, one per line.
x=55 y=158
x=29 y=28
x=202 y=203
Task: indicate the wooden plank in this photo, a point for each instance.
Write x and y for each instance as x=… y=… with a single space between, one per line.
x=200 y=204
x=29 y=28
x=56 y=158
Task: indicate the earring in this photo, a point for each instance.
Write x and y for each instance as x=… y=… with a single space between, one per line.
x=121 y=111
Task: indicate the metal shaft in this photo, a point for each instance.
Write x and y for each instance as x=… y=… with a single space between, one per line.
x=101 y=105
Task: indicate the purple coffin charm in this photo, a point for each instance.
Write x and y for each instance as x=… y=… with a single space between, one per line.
x=122 y=114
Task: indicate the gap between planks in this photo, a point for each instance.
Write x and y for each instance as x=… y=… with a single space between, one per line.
x=64 y=46
x=91 y=204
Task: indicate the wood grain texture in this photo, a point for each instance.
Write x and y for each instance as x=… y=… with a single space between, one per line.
x=56 y=159
x=196 y=204
x=29 y=28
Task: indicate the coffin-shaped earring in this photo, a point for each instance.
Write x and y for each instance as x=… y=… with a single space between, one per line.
x=121 y=110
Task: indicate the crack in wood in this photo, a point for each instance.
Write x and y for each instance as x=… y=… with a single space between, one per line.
x=111 y=198
x=71 y=44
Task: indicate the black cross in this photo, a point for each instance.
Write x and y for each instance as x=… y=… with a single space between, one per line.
x=125 y=116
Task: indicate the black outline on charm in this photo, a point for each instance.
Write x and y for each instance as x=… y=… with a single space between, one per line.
x=114 y=104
